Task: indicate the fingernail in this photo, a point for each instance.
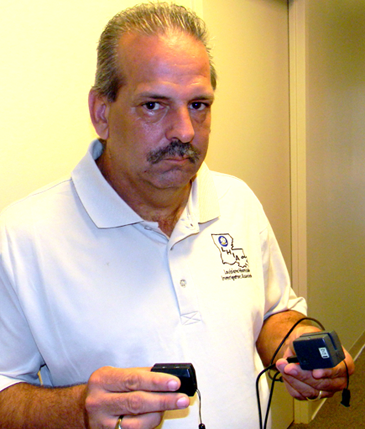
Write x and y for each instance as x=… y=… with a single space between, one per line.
x=183 y=402
x=172 y=385
x=292 y=372
x=318 y=373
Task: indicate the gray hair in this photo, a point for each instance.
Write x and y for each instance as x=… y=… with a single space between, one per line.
x=148 y=19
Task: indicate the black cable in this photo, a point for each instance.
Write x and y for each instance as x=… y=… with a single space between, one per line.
x=258 y=391
x=290 y=331
x=270 y=398
x=201 y=424
x=346 y=394
x=272 y=365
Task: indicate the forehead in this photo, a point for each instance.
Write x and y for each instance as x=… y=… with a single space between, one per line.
x=173 y=59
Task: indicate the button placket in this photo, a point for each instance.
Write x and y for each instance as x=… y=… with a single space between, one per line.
x=183 y=283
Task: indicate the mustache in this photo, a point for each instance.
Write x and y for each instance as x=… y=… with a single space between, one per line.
x=175 y=149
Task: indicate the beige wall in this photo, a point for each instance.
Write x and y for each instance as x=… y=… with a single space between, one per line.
x=336 y=164
x=48 y=57
x=250 y=133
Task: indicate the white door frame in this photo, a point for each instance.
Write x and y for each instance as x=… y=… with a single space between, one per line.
x=303 y=411
x=297 y=94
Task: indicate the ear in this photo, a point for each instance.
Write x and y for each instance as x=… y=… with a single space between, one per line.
x=99 y=111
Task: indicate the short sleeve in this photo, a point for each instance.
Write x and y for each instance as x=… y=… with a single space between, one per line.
x=279 y=295
x=20 y=360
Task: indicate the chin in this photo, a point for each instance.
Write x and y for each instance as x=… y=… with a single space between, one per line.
x=174 y=179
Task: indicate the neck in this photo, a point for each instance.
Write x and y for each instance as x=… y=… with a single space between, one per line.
x=165 y=208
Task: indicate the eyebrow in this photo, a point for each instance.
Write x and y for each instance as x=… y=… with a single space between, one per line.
x=157 y=96
x=153 y=96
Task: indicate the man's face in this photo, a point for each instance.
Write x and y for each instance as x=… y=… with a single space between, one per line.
x=159 y=125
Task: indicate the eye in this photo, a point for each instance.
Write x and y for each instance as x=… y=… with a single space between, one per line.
x=198 y=105
x=152 y=105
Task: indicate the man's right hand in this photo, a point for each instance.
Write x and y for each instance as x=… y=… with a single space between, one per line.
x=137 y=394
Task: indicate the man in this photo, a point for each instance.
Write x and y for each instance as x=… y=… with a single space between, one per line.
x=145 y=256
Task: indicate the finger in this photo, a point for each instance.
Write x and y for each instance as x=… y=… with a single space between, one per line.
x=109 y=406
x=318 y=377
x=298 y=382
x=145 y=421
x=301 y=390
x=117 y=404
x=146 y=402
x=308 y=386
x=338 y=371
x=127 y=380
x=300 y=396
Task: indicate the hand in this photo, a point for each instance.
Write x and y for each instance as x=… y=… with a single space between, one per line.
x=135 y=394
x=308 y=384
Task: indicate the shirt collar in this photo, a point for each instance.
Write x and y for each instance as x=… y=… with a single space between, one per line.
x=108 y=210
x=203 y=202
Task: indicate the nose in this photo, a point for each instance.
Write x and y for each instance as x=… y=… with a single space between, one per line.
x=180 y=126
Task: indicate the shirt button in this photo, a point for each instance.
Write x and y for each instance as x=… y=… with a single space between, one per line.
x=183 y=283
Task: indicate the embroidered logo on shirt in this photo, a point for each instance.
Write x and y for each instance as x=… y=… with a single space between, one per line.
x=231 y=255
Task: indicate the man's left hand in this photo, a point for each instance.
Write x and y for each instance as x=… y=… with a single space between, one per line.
x=303 y=384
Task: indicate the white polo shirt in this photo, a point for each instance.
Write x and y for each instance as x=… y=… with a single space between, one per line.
x=86 y=282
